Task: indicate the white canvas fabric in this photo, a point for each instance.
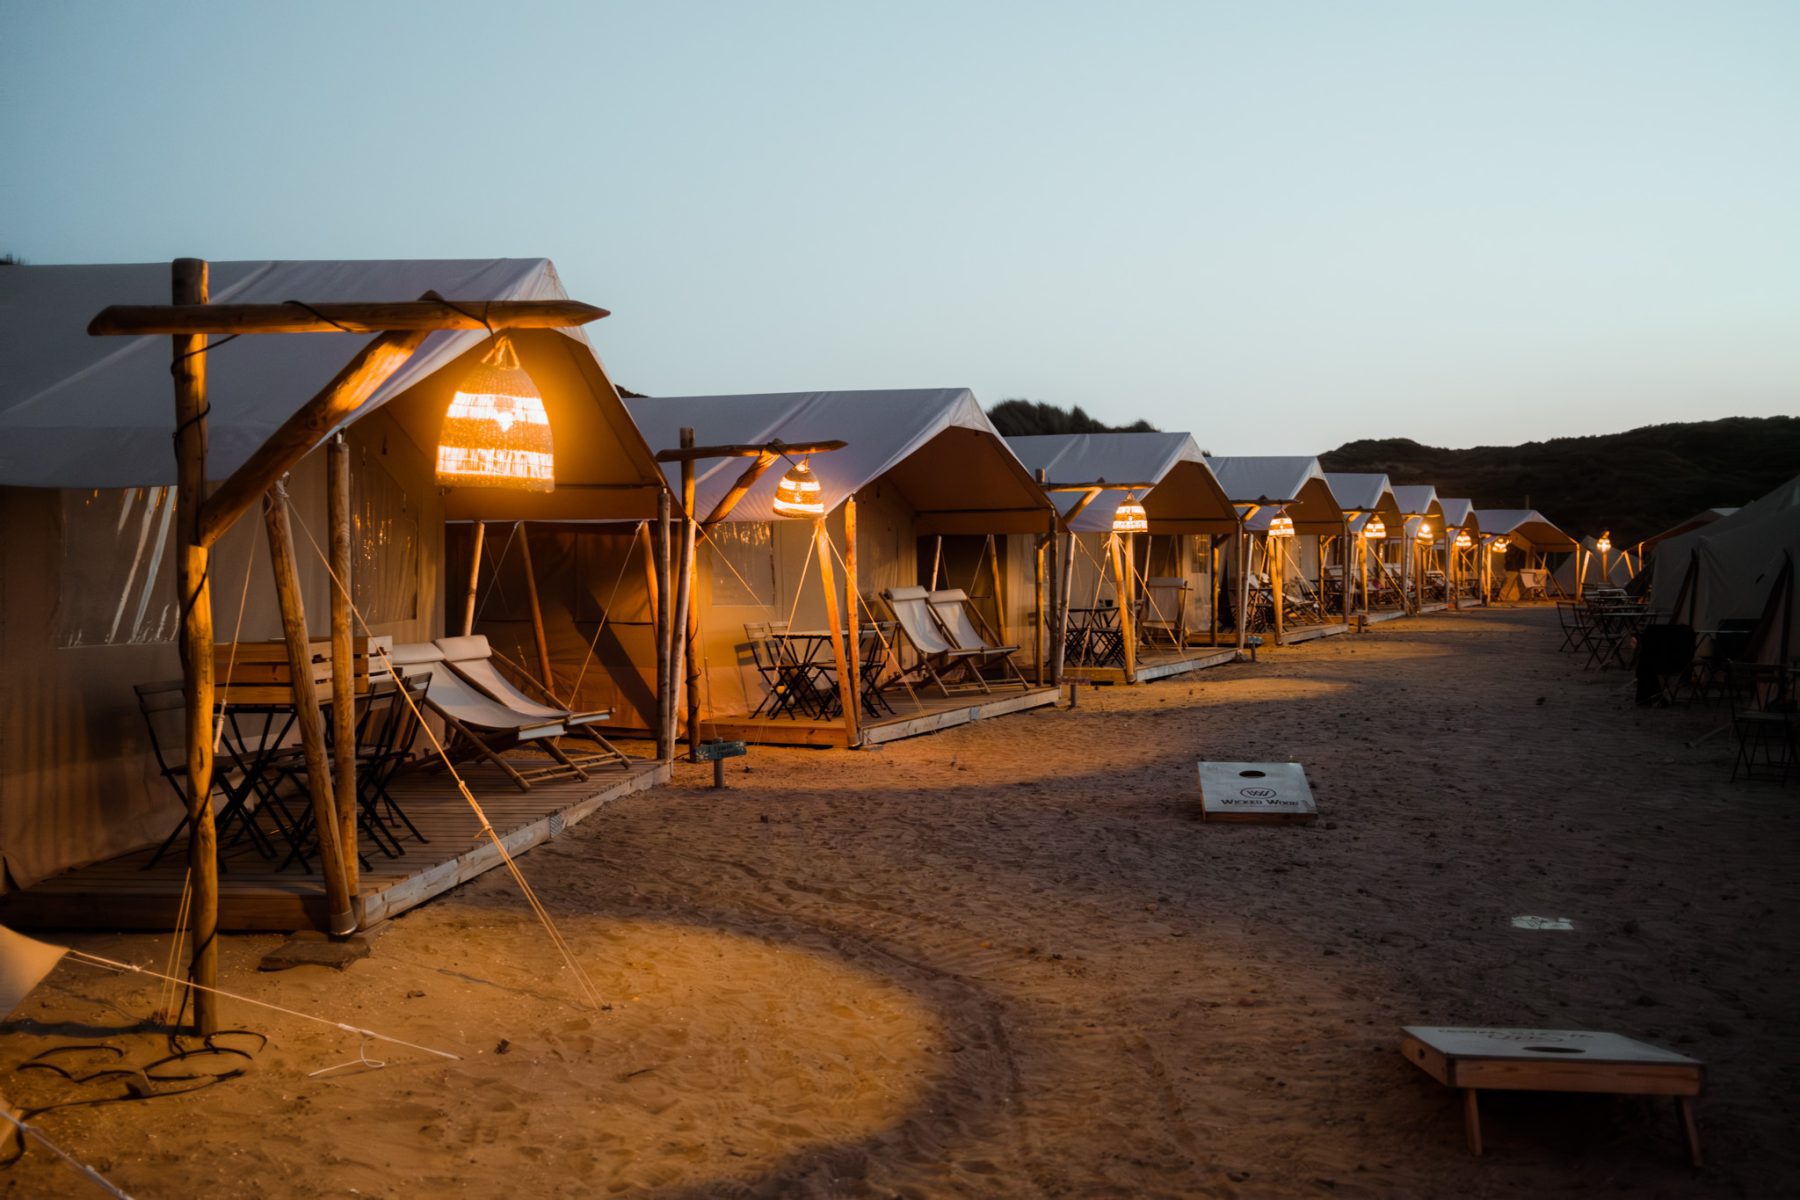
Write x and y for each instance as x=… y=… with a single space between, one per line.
x=1526 y=526
x=1460 y=515
x=1294 y=482
x=1363 y=492
x=935 y=444
x=1419 y=500
x=81 y=411
x=1618 y=565
x=1186 y=497
x=1735 y=562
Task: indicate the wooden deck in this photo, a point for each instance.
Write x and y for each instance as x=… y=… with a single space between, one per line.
x=1307 y=633
x=1377 y=616
x=1159 y=664
x=119 y=894
x=928 y=715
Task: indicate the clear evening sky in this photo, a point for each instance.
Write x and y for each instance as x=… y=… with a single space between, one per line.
x=1277 y=225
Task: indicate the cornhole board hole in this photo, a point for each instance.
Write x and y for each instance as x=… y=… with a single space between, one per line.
x=1553 y=1060
x=1264 y=793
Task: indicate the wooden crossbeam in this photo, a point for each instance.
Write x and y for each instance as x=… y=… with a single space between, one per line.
x=137 y=320
x=1099 y=483
x=740 y=450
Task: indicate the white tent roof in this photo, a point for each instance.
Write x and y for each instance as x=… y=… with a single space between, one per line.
x=1460 y=515
x=1735 y=559
x=1363 y=492
x=81 y=411
x=1525 y=525
x=1418 y=500
x=1186 y=498
x=935 y=444
x=1293 y=482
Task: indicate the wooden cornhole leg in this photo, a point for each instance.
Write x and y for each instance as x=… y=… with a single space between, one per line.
x=1686 y=1105
x=1472 y=1120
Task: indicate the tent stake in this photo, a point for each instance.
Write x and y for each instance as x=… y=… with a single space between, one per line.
x=188 y=284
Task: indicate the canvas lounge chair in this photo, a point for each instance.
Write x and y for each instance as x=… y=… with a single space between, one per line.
x=474 y=659
x=946 y=664
x=957 y=616
x=481 y=726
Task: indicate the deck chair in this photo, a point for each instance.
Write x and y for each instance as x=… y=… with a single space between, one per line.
x=475 y=660
x=952 y=668
x=957 y=616
x=1163 y=610
x=482 y=727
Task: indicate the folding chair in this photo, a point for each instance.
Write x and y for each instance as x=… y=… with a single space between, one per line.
x=939 y=659
x=872 y=659
x=483 y=727
x=957 y=616
x=474 y=659
x=1576 y=627
x=1762 y=716
x=1163 y=610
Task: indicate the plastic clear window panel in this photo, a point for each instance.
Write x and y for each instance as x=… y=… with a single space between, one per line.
x=743 y=564
x=384 y=546
x=117 y=573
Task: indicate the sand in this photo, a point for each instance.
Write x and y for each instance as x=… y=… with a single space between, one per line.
x=1009 y=960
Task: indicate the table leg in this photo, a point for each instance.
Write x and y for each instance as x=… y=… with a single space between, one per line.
x=1686 y=1105
x=1472 y=1121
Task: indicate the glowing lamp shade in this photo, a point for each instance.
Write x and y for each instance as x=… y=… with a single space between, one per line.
x=496 y=432
x=1605 y=542
x=799 y=493
x=1374 y=529
x=1424 y=534
x=1464 y=541
x=1499 y=545
x=1130 y=517
x=1281 y=527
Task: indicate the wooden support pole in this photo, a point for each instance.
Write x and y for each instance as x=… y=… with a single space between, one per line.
x=846 y=695
x=1212 y=586
x=343 y=665
x=852 y=642
x=937 y=558
x=480 y=536
x=188 y=283
x=285 y=565
x=302 y=432
x=665 y=632
x=687 y=604
x=761 y=463
x=1062 y=545
x=1272 y=550
x=1121 y=593
x=546 y=669
x=993 y=547
x=1040 y=546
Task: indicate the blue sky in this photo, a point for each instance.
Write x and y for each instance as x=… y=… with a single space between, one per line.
x=1277 y=225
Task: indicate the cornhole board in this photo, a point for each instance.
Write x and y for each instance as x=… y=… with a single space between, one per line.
x=1265 y=793
x=1552 y=1060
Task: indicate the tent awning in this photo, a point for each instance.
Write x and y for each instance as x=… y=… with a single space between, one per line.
x=1295 y=484
x=1186 y=496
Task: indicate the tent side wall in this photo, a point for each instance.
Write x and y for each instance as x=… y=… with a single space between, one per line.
x=78 y=782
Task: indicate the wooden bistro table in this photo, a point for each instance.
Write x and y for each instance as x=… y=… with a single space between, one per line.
x=1553 y=1060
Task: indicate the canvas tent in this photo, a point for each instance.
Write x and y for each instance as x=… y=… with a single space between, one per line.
x=1740 y=567
x=1421 y=558
x=1611 y=568
x=917 y=462
x=1704 y=517
x=1190 y=520
x=87 y=606
x=1530 y=539
x=1367 y=496
x=1466 y=563
x=1303 y=604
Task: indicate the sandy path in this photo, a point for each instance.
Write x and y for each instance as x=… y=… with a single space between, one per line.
x=1008 y=960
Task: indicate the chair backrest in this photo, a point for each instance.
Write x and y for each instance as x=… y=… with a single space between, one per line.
x=911 y=607
x=164 y=706
x=449 y=693
x=951 y=607
x=472 y=658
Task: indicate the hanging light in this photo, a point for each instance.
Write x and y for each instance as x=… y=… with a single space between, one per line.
x=1499 y=545
x=1281 y=526
x=1424 y=534
x=799 y=494
x=1463 y=540
x=1605 y=542
x=496 y=432
x=1130 y=517
x=1374 y=529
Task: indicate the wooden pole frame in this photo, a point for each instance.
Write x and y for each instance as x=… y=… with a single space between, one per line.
x=688 y=605
x=188 y=279
x=662 y=616
x=478 y=538
x=539 y=636
x=285 y=565
x=343 y=665
x=852 y=637
x=827 y=581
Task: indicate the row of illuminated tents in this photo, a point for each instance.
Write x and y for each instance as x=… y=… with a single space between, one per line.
x=577 y=479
